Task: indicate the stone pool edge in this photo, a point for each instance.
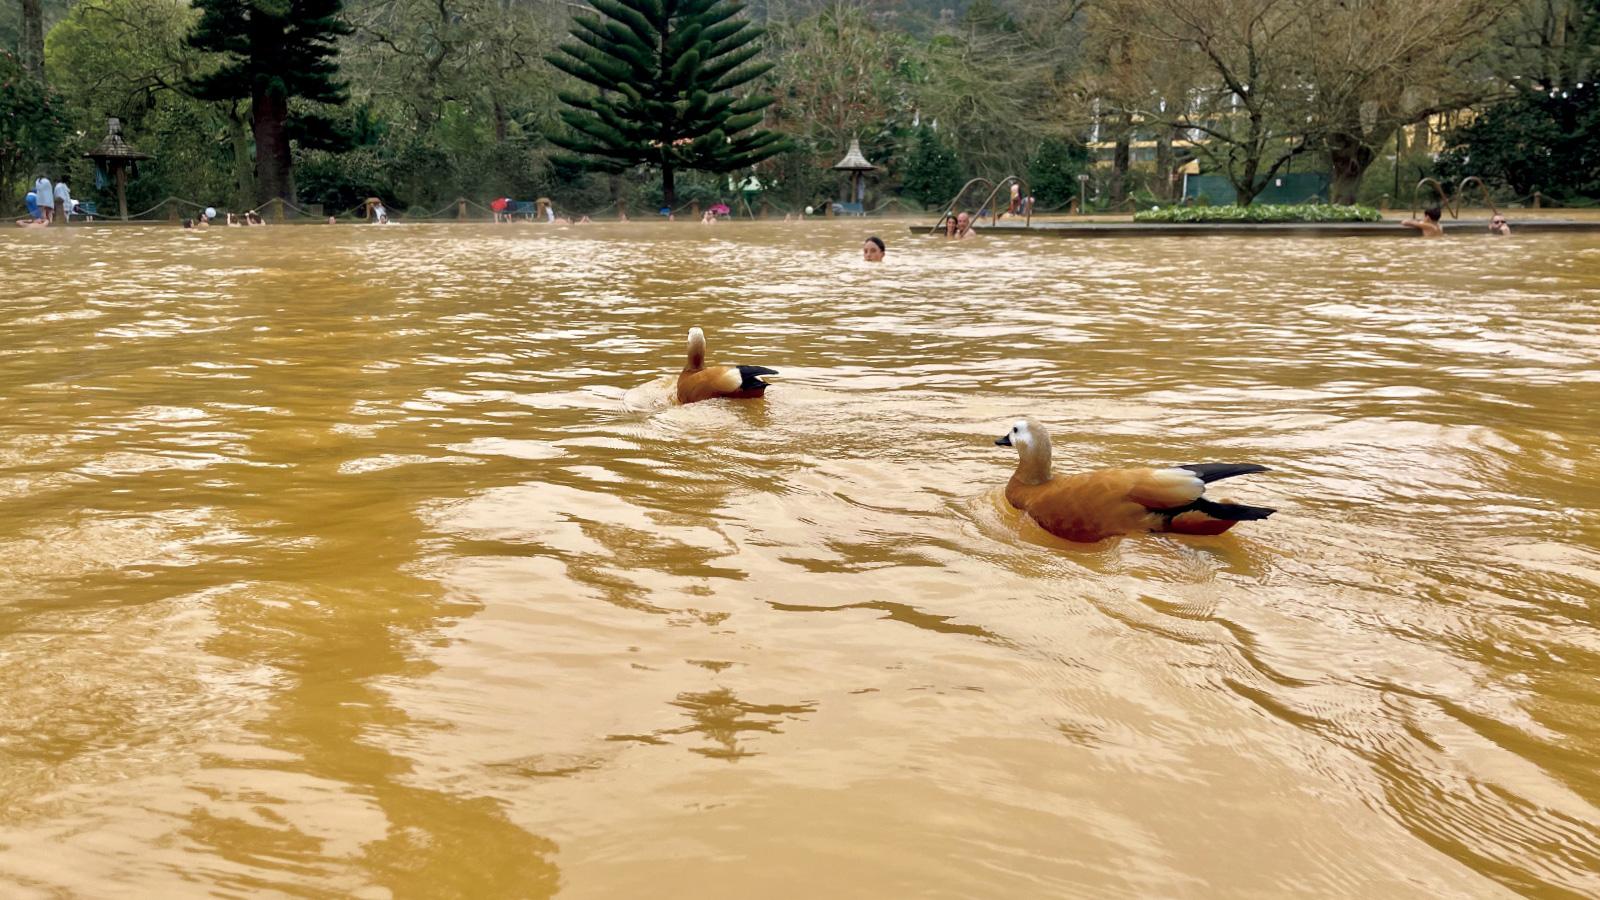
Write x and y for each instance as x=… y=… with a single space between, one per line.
x=1300 y=229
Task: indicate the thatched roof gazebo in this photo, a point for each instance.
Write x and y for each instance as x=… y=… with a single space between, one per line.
x=117 y=156
x=856 y=165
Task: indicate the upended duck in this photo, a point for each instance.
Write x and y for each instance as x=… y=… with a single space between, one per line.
x=1109 y=502
x=701 y=382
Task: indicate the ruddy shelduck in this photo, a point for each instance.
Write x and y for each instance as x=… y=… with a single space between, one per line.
x=1108 y=502
x=701 y=382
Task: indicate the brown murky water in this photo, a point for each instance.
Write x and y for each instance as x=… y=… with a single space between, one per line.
x=371 y=562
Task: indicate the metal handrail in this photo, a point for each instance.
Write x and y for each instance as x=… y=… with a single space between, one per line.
x=988 y=202
x=1483 y=188
x=951 y=209
x=1453 y=205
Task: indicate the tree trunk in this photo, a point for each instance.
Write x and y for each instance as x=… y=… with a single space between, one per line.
x=1163 y=179
x=31 y=40
x=244 y=188
x=1245 y=185
x=669 y=191
x=1348 y=158
x=500 y=128
x=1121 y=158
x=274 y=176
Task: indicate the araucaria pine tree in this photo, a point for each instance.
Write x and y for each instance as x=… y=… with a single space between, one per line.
x=667 y=71
x=276 y=50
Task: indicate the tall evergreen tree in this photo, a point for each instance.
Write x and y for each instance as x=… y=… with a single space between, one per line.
x=666 y=70
x=276 y=50
x=932 y=172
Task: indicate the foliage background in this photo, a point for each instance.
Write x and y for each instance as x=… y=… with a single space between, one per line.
x=452 y=98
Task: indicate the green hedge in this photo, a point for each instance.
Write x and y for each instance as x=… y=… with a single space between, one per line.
x=1248 y=215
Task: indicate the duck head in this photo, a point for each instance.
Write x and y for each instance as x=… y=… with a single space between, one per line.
x=697 y=349
x=1033 y=450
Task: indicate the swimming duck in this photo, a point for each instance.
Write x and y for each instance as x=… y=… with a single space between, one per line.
x=1096 y=505
x=701 y=382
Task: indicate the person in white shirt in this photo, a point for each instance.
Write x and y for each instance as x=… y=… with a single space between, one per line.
x=46 y=194
x=64 y=198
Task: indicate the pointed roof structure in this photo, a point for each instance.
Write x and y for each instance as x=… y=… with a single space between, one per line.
x=854 y=161
x=114 y=147
x=114 y=155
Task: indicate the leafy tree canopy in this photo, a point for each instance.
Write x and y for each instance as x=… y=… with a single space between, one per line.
x=1536 y=141
x=32 y=126
x=272 y=51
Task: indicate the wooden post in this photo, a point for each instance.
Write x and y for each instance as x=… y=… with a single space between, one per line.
x=461 y=209
x=694 y=209
x=122 y=188
x=1538 y=200
x=278 y=204
x=1383 y=202
x=172 y=212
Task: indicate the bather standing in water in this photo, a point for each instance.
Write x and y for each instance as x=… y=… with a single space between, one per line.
x=1498 y=226
x=1428 y=224
x=872 y=249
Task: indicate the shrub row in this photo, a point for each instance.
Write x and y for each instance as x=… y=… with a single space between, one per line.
x=1247 y=215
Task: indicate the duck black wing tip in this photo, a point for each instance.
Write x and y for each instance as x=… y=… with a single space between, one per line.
x=1232 y=512
x=750 y=377
x=1209 y=472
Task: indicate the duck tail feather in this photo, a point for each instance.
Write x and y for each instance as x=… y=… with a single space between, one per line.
x=750 y=377
x=1209 y=472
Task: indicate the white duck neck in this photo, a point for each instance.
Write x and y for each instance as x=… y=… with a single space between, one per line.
x=1033 y=458
x=697 y=351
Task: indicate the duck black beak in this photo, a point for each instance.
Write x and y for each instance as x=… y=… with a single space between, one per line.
x=1003 y=440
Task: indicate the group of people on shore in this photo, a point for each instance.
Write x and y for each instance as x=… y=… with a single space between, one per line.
x=43 y=201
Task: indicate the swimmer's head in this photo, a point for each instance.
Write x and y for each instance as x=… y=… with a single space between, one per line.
x=1432 y=213
x=872 y=249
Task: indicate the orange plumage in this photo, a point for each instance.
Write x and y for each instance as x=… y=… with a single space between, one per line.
x=699 y=382
x=1097 y=505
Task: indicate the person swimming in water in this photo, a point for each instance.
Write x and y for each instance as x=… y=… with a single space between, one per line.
x=1428 y=224
x=1498 y=226
x=872 y=249
x=963 y=228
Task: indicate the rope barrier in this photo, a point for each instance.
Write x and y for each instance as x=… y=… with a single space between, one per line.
x=163 y=205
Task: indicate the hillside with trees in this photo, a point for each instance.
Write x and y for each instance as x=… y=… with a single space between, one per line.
x=328 y=102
